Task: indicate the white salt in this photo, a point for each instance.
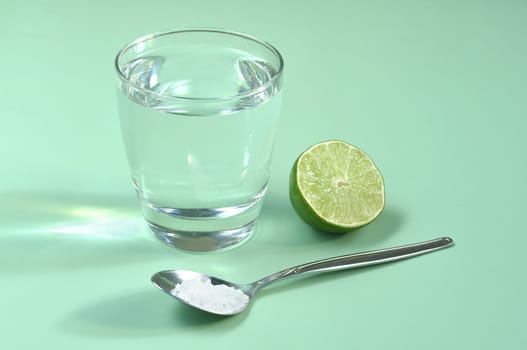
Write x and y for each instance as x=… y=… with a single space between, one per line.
x=215 y=298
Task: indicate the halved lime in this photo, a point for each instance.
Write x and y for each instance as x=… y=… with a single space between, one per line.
x=336 y=187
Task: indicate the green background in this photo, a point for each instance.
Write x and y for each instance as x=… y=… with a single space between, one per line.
x=434 y=91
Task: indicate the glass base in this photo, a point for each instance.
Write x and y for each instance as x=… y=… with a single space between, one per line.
x=203 y=230
x=203 y=241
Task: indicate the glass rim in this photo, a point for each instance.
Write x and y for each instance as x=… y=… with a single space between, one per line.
x=272 y=82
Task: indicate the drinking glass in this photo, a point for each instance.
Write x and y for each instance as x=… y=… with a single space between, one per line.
x=199 y=110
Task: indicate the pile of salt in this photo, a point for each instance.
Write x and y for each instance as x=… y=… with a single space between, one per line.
x=218 y=299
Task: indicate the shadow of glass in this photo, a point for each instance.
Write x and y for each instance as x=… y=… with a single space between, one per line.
x=143 y=314
x=64 y=232
x=72 y=214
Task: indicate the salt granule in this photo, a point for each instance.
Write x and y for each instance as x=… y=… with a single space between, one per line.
x=219 y=298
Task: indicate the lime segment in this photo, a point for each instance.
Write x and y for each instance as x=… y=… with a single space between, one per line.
x=336 y=187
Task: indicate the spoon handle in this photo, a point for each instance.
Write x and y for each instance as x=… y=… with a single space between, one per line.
x=351 y=261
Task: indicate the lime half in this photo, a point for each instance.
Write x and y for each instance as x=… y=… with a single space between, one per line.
x=336 y=187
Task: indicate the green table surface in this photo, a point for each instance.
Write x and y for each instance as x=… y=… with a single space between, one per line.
x=434 y=91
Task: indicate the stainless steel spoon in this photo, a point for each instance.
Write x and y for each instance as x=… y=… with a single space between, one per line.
x=221 y=297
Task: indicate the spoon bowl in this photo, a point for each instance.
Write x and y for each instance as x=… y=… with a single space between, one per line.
x=169 y=280
x=217 y=296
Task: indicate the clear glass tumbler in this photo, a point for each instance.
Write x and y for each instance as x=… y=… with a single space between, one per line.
x=199 y=110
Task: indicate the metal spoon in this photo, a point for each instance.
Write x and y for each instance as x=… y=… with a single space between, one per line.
x=221 y=297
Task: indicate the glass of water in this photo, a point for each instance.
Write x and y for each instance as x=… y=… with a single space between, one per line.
x=199 y=110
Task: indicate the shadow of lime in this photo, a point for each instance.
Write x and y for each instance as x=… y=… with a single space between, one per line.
x=381 y=229
x=289 y=229
x=143 y=314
